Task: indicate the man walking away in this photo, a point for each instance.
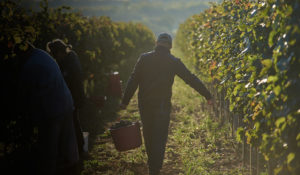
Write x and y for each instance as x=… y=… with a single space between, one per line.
x=154 y=74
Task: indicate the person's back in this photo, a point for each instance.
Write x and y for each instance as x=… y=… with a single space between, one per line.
x=43 y=88
x=70 y=67
x=47 y=101
x=72 y=72
x=154 y=75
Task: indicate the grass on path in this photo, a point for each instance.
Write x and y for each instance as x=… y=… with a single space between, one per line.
x=196 y=145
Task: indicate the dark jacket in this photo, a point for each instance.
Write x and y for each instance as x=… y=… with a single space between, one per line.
x=47 y=100
x=43 y=91
x=154 y=74
x=72 y=72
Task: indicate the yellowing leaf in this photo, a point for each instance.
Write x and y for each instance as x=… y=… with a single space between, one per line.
x=24 y=47
x=277 y=90
x=267 y=63
x=298 y=136
x=290 y=157
x=279 y=121
x=272 y=78
x=17 y=39
x=29 y=29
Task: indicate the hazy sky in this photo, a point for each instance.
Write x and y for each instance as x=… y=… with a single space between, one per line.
x=158 y=15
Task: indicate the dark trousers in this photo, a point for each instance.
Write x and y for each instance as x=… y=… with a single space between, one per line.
x=155 y=121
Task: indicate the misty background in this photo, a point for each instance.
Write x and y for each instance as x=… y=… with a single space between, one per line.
x=158 y=15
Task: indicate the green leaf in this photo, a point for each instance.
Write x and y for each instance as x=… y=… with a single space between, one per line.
x=277 y=90
x=279 y=121
x=257 y=125
x=17 y=39
x=231 y=106
x=29 y=29
x=272 y=79
x=298 y=136
x=267 y=63
x=237 y=89
x=290 y=157
x=24 y=47
x=240 y=134
x=289 y=10
x=238 y=76
x=271 y=38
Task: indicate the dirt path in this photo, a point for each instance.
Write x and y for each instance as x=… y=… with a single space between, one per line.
x=196 y=143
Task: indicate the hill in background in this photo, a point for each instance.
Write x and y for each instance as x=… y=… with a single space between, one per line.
x=158 y=15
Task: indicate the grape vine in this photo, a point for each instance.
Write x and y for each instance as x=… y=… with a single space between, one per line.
x=103 y=46
x=250 y=50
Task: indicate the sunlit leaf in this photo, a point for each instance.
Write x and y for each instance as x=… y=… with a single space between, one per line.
x=277 y=90
x=290 y=157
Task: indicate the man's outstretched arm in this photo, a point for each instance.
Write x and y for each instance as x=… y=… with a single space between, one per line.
x=192 y=80
x=132 y=84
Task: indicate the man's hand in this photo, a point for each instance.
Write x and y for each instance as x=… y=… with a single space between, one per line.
x=123 y=106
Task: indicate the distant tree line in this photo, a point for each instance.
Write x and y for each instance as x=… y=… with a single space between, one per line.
x=103 y=46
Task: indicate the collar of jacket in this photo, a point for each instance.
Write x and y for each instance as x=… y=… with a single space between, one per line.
x=161 y=49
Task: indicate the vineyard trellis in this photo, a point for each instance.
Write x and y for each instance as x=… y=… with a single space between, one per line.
x=103 y=46
x=248 y=52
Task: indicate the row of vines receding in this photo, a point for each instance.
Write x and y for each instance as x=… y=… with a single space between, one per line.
x=249 y=50
x=103 y=46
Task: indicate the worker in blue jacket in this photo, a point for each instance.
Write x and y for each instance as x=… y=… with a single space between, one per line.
x=46 y=100
x=154 y=74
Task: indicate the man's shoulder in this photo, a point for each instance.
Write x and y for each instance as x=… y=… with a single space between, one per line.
x=147 y=54
x=173 y=58
x=40 y=67
x=39 y=53
x=41 y=61
x=40 y=57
